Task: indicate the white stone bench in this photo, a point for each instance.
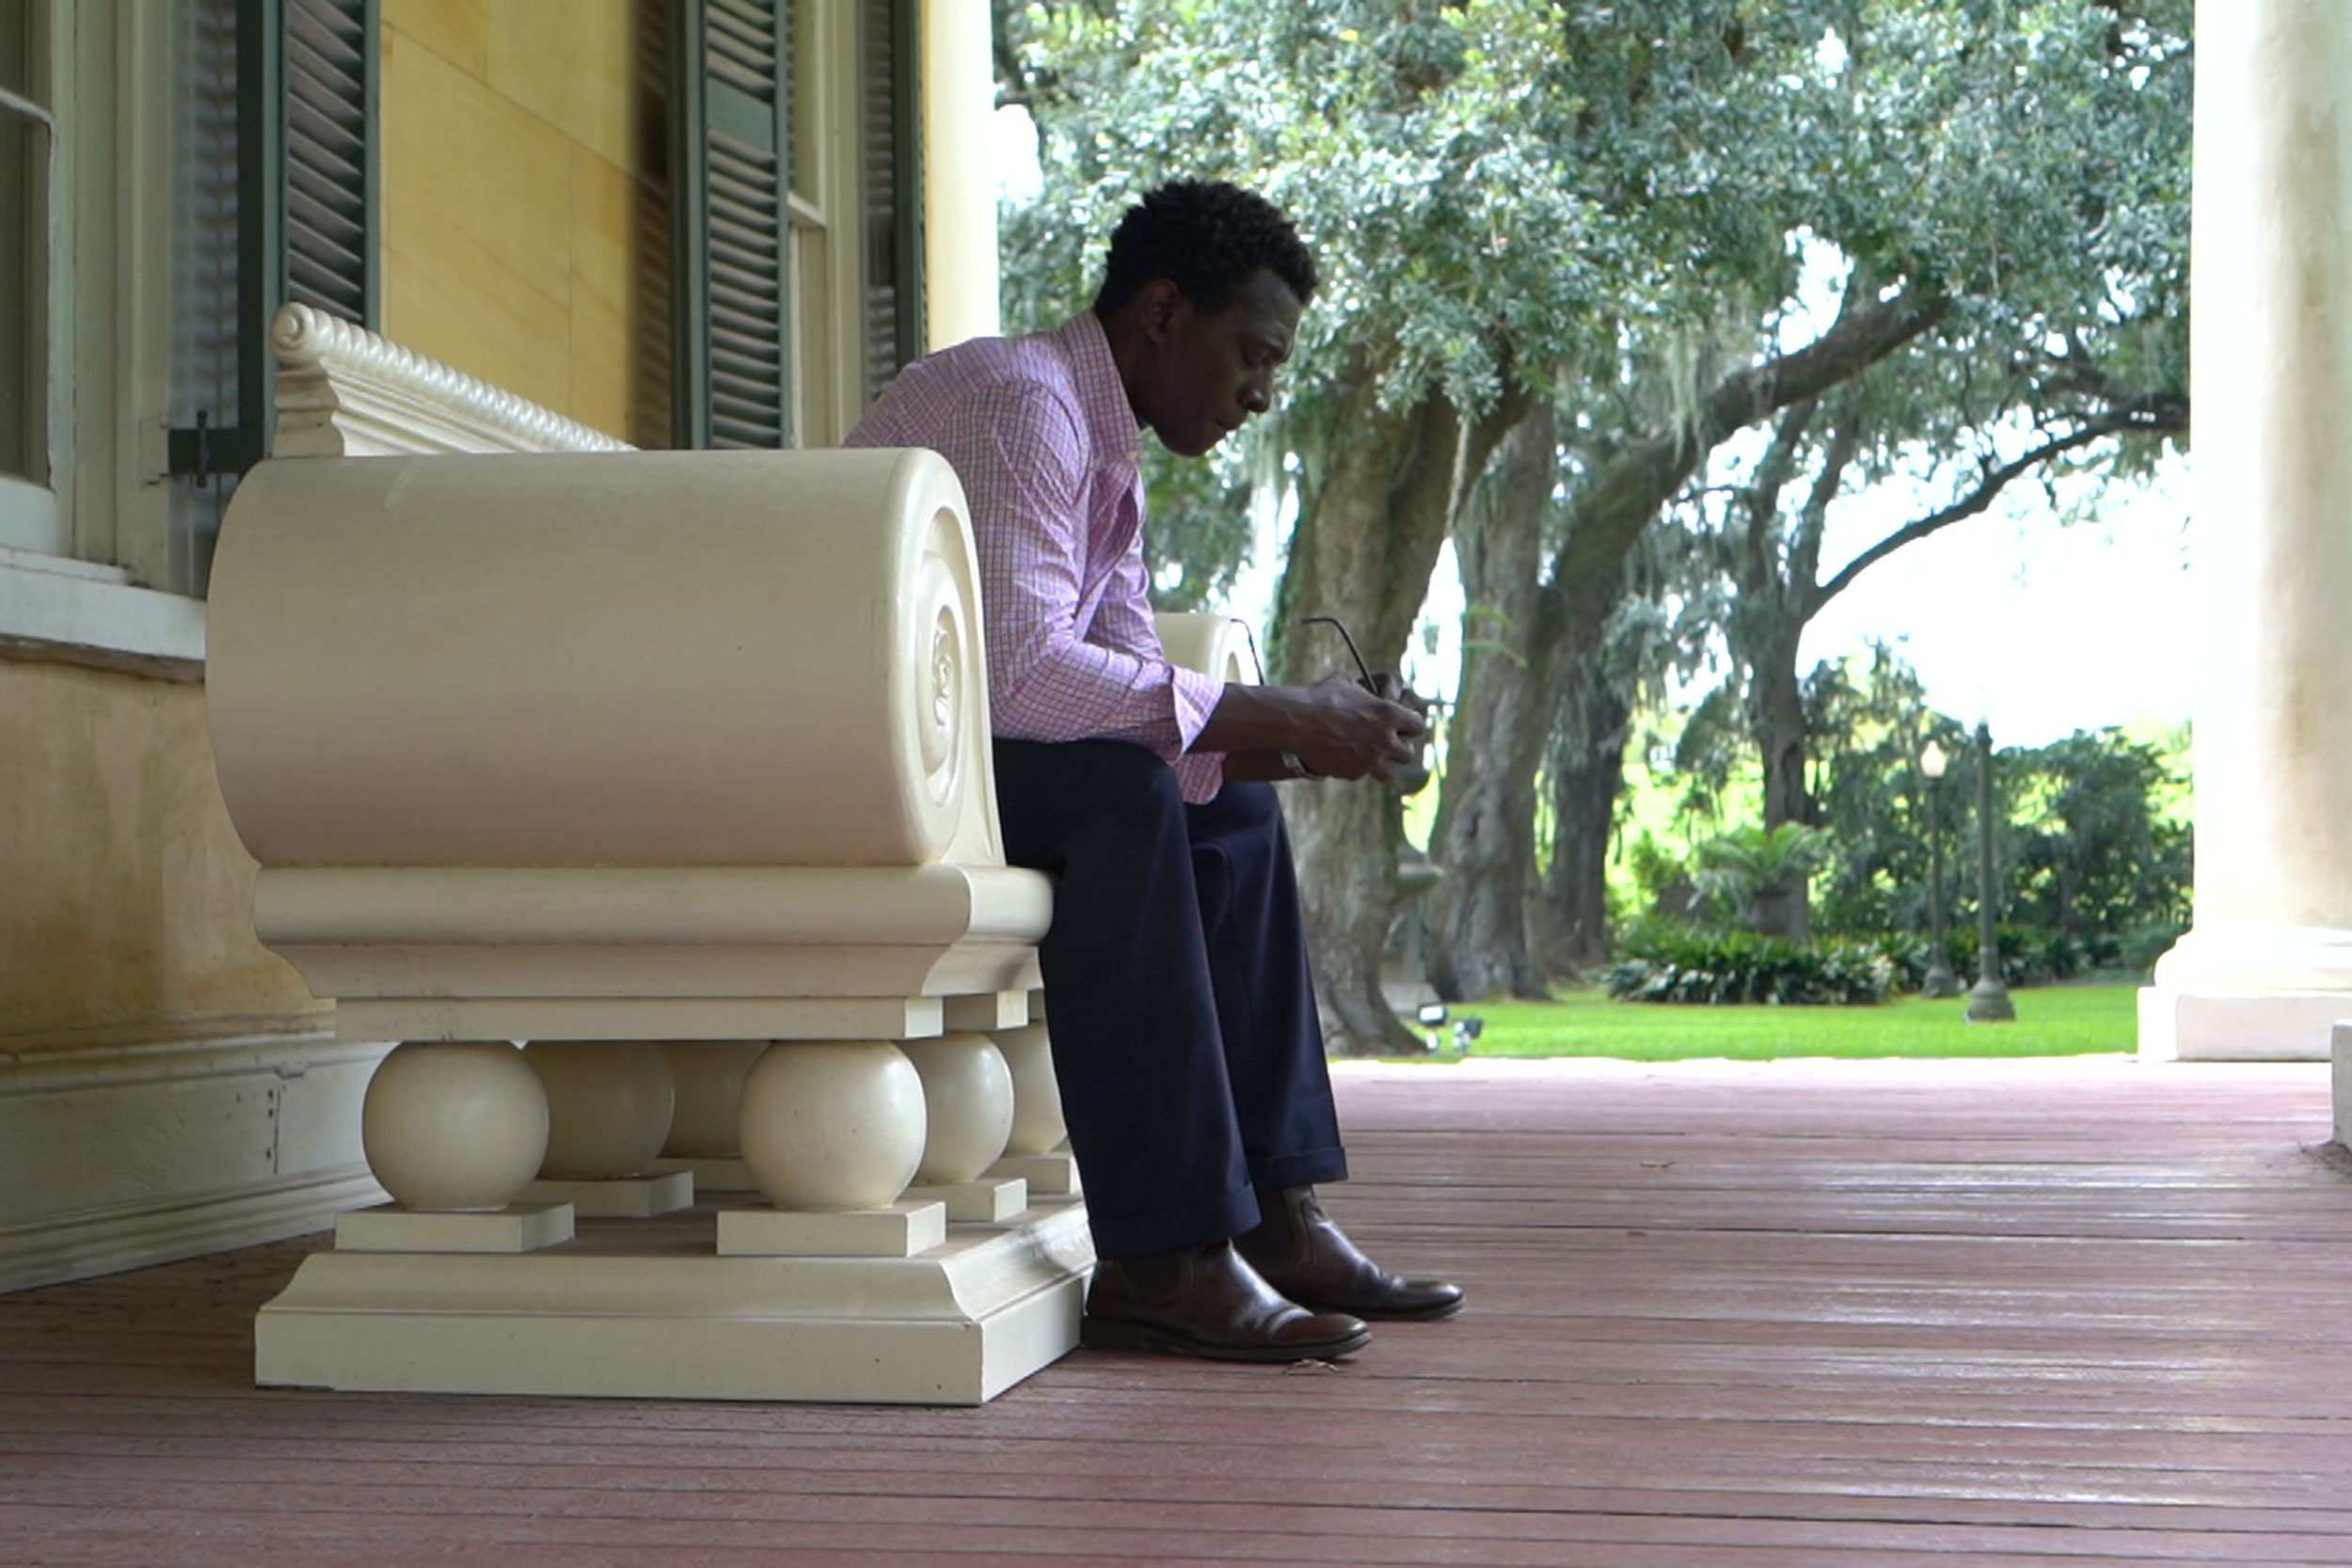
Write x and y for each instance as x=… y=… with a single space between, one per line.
x=647 y=798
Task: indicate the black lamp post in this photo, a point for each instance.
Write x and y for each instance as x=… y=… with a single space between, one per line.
x=1940 y=981
x=1988 y=999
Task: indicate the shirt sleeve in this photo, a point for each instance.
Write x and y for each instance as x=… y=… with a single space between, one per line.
x=1022 y=459
x=1124 y=621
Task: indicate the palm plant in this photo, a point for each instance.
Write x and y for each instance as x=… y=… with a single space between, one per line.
x=1758 y=874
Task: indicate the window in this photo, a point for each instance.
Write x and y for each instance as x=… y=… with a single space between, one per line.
x=31 y=191
x=168 y=174
x=275 y=192
x=890 y=149
x=792 y=164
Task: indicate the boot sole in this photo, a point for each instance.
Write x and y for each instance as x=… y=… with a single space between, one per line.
x=1420 y=1315
x=1112 y=1335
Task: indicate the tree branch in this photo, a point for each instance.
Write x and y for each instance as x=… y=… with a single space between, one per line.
x=2136 y=417
x=1780 y=462
x=1804 y=548
x=1627 y=493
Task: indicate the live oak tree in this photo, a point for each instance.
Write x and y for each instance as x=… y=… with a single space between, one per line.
x=1595 y=216
x=2069 y=355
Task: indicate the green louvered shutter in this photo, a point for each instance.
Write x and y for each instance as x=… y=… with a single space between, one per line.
x=276 y=196
x=731 y=158
x=892 y=197
x=331 y=180
x=302 y=138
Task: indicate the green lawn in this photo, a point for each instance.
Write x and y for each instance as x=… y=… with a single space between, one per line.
x=2052 y=1020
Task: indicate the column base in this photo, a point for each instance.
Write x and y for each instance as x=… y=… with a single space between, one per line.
x=645 y=1309
x=2189 y=1026
x=2242 y=992
x=2339 y=1079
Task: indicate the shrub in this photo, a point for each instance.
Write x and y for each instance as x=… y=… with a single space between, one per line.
x=1666 y=964
x=2137 y=949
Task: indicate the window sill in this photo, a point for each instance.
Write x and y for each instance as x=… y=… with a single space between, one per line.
x=55 y=610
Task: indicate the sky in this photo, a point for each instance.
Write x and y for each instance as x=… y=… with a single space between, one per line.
x=2036 y=628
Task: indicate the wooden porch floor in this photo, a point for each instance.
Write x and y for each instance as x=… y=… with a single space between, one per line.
x=1795 y=1315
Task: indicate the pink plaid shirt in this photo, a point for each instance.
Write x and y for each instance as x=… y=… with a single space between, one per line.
x=1039 y=431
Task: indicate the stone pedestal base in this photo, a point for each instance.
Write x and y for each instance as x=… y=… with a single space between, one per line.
x=1051 y=1174
x=628 y=1196
x=2188 y=1027
x=902 y=1230
x=720 y=1173
x=986 y=1201
x=517 y=1228
x=645 y=1309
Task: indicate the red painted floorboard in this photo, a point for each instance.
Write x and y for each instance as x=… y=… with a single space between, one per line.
x=1788 y=1315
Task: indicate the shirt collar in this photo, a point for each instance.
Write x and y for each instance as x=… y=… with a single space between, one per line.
x=1110 y=418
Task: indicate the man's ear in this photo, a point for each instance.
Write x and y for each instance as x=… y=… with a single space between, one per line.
x=1160 y=303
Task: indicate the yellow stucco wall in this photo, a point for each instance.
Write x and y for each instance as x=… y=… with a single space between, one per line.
x=517 y=157
x=126 y=908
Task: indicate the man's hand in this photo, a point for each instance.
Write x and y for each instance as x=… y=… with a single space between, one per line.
x=1392 y=686
x=1346 y=732
x=1338 y=728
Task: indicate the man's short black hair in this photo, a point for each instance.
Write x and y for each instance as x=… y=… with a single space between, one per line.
x=1207 y=237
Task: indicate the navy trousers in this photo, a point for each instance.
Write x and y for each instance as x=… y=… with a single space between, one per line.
x=1178 y=996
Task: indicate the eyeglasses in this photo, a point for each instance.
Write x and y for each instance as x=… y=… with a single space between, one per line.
x=1334 y=622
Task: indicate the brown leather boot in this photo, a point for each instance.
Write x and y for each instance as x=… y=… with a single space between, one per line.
x=1205 y=1301
x=1309 y=1259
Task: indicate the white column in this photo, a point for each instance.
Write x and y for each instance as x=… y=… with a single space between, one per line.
x=2268 y=967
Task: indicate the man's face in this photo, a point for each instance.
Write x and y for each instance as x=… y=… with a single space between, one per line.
x=1210 y=371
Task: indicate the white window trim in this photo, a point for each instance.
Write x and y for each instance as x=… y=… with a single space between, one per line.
x=58 y=609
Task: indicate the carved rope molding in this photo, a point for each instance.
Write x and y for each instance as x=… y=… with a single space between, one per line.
x=342 y=391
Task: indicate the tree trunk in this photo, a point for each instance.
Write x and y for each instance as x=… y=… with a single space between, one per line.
x=1383 y=484
x=1780 y=738
x=1777 y=715
x=1587 y=770
x=1775 y=569
x=1485 y=836
x=1367 y=540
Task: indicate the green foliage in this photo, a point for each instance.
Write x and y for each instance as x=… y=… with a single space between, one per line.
x=1739 y=867
x=2091 y=845
x=1660 y=879
x=1624 y=194
x=2091 y=855
x=2086 y=842
x=2029 y=955
x=1666 y=964
x=1621 y=205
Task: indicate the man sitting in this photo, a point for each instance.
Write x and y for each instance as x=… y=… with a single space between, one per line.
x=1184 y=1026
